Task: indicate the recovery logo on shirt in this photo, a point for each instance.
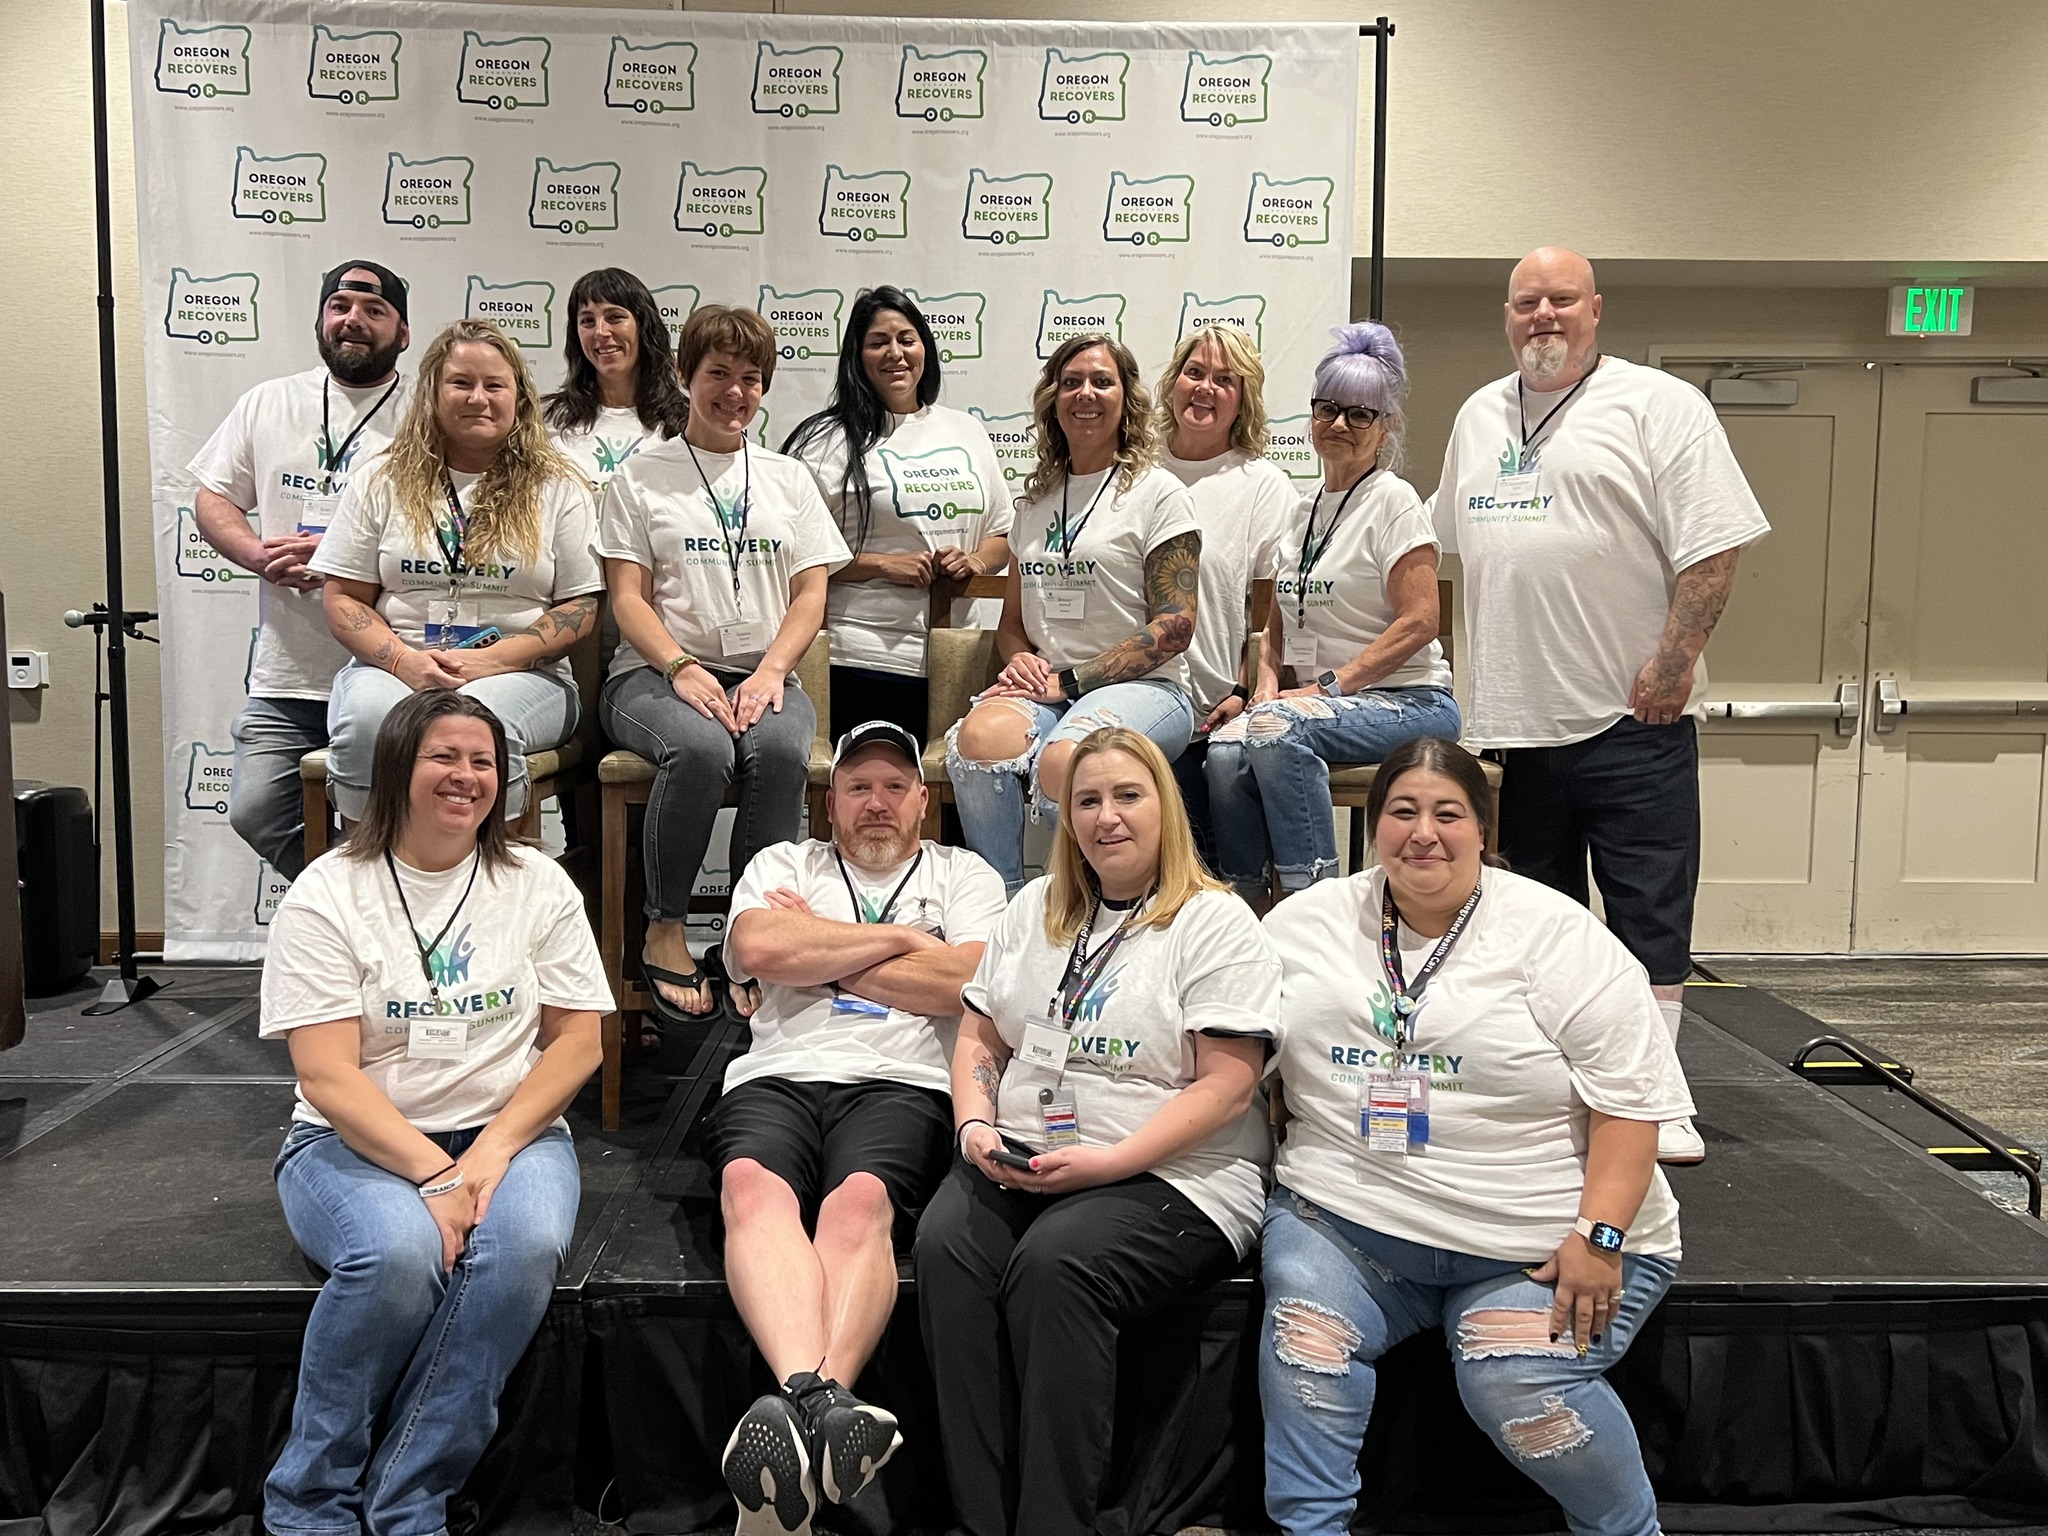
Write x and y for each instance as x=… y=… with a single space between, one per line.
x=938 y=486
x=677 y=303
x=1156 y=211
x=504 y=74
x=1244 y=312
x=803 y=82
x=1083 y=87
x=209 y=778
x=939 y=87
x=1288 y=213
x=287 y=189
x=212 y=311
x=1015 y=439
x=659 y=77
x=874 y=205
x=722 y=204
x=574 y=199
x=353 y=67
x=427 y=193
x=450 y=959
x=1006 y=209
x=806 y=324
x=197 y=560
x=1062 y=319
x=1289 y=446
x=523 y=311
x=1225 y=92
x=202 y=61
x=955 y=321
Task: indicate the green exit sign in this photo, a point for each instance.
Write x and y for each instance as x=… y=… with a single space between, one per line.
x=1932 y=309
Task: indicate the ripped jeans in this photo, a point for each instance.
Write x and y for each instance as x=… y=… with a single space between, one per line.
x=1269 y=775
x=1338 y=1296
x=991 y=795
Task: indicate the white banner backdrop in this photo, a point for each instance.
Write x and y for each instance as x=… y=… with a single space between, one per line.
x=1025 y=181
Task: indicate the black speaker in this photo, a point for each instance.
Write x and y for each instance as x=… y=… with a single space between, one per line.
x=60 y=885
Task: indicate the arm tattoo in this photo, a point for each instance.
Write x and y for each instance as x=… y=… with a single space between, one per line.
x=354 y=614
x=987 y=1077
x=1173 y=574
x=561 y=626
x=1702 y=593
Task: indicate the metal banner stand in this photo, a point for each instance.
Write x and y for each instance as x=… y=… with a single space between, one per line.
x=1382 y=33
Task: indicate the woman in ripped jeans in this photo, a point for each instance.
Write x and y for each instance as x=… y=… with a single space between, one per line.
x=1475 y=1069
x=1354 y=616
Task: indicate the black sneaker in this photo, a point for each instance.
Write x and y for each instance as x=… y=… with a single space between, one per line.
x=850 y=1440
x=767 y=1466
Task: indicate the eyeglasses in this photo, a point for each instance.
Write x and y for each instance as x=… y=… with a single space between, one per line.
x=1358 y=417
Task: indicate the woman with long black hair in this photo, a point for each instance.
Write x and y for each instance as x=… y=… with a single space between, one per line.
x=918 y=494
x=621 y=392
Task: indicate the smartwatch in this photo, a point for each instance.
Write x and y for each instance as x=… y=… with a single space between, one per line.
x=1070 y=683
x=1603 y=1236
x=1327 y=681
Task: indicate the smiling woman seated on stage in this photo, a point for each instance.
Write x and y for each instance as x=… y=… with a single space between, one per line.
x=440 y=991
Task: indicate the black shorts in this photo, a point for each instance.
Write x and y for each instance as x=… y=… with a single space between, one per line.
x=1629 y=797
x=812 y=1135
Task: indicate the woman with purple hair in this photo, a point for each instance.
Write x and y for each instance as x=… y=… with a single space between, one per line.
x=1351 y=666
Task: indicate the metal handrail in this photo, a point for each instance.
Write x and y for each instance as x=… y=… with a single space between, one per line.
x=1933 y=1106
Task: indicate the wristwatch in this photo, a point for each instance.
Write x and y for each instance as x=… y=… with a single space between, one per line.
x=1070 y=683
x=1327 y=681
x=1602 y=1235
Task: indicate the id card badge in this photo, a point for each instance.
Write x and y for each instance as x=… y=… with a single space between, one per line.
x=1301 y=655
x=316 y=512
x=1393 y=1114
x=1516 y=488
x=1065 y=602
x=452 y=624
x=1059 y=1118
x=742 y=638
x=1045 y=1047
x=846 y=1006
x=437 y=1040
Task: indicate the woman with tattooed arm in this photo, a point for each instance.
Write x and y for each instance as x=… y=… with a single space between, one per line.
x=1100 y=608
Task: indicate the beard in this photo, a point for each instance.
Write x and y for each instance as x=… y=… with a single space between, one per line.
x=355 y=362
x=879 y=847
x=1545 y=358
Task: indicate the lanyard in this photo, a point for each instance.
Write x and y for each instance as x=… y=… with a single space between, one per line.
x=332 y=458
x=1068 y=538
x=1521 y=417
x=1313 y=549
x=732 y=544
x=889 y=906
x=458 y=525
x=426 y=951
x=1407 y=994
x=1084 y=969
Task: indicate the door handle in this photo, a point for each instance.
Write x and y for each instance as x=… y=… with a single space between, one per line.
x=1845 y=709
x=1891 y=704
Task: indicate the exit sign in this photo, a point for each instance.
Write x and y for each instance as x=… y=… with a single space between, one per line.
x=1937 y=309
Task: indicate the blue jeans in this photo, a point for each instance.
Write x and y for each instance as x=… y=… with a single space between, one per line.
x=991 y=795
x=537 y=709
x=1338 y=1296
x=266 y=804
x=1269 y=775
x=402 y=1364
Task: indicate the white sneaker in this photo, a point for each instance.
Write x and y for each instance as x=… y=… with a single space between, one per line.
x=1679 y=1143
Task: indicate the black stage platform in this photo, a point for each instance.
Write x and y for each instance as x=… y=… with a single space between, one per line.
x=1858 y=1337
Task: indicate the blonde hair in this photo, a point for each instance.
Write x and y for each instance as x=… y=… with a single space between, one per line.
x=505 y=509
x=1072 y=889
x=1137 y=441
x=1248 y=432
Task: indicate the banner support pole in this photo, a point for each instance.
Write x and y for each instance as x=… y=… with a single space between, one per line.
x=1381 y=32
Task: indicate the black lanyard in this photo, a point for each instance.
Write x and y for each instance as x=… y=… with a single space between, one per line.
x=332 y=458
x=889 y=906
x=732 y=539
x=427 y=950
x=1083 y=969
x=1521 y=416
x=1407 y=994
x=1313 y=549
x=458 y=526
x=1068 y=539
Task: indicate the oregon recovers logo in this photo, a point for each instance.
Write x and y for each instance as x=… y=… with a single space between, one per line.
x=523 y=311
x=270 y=891
x=1015 y=439
x=801 y=83
x=676 y=303
x=209 y=779
x=211 y=310
x=1225 y=92
x=197 y=560
x=1288 y=212
x=1060 y=320
x=662 y=77
x=503 y=76
x=353 y=67
x=1151 y=212
x=427 y=193
x=574 y=199
x=1006 y=209
x=291 y=189
x=1246 y=312
x=806 y=324
x=202 y=61
x=1086 y=88
x=721 y=204
x=955 y=319
x=1288 y=445
x=872 y=206
x=939 y=87
x=938 y=486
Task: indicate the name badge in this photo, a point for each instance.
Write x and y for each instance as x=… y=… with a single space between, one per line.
x=1516 y=487
x=1301 y=655
x=437 y=1040
x=316 y=512
x=1065 y=602
x=1059 y=1118
x=454 y=625
x=1045 y=1045
x=743 y=639
x=1393 y=1114
x=846 y=1006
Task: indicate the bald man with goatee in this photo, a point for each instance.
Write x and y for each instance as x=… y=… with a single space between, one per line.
x=1599 y=513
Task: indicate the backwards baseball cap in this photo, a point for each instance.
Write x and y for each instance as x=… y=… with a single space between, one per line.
x=878 y=733
x=386 y=284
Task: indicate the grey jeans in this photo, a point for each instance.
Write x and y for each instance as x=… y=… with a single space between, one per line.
x=266 y=805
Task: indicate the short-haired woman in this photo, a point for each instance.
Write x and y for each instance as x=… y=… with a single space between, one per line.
x=619 y=392
x=1112 y=1136
x=440 y=992
x=716 y=551
x=1355 y=617
x=918 y=494
x=1101 y=604
x=460 y=559
x=1475 y=1069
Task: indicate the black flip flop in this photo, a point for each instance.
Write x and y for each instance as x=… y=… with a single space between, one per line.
x=722 y=983
x=668 y=1012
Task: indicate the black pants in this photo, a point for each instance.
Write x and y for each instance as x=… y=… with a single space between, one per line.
x=1631 y=797
x=1022 y=1298
x=1191 y=774
x=860 y=694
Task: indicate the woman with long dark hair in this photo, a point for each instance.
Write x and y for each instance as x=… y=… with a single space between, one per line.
x=620 y=393
x=919 y=495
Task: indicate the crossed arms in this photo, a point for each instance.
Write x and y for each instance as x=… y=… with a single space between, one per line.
x=890 y=963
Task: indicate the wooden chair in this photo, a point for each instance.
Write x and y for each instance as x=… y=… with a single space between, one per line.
x=625 y=779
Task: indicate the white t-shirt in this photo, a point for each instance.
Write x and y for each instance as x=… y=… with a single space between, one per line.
x=371 y=540
x=1133 y=1047
x=614 y=437
x=656 y=513
x=1104 y=575
x=266 y=458
x=1241 y=504
x=1343 y=603
x=812 y=1034
x=1568 y=578
x=339 y=949
x=935 y=481
x=1536 y=1015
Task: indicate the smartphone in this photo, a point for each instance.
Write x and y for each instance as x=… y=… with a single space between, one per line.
x=1011 y=1159
x=490 y=634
